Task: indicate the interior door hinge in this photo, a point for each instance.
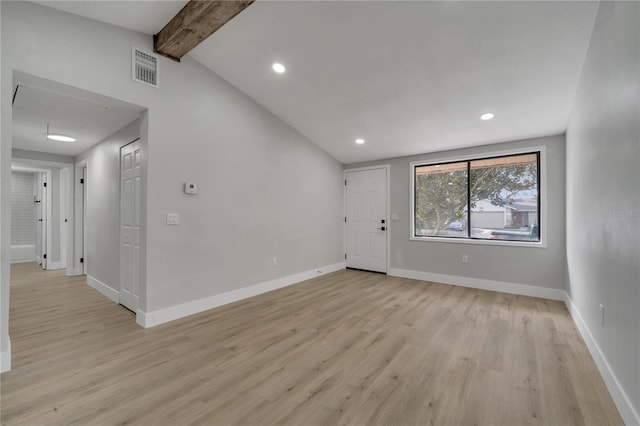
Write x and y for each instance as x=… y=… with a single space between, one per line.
x=44 y=256
x=45 y=184
x=345 y=219
x=345 y=255
x=81 y=181
x=345 y=182
x=82 y=260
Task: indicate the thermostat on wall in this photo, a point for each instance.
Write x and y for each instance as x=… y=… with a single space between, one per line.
x=190 y=188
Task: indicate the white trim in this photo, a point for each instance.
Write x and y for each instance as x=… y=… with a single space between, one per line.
x=5 y=359
x=160 y=316
x=542 y=191
x=48 y=218
x=76 y=249
x=103 y=288
x=530 y=244
x=629 y=415
x=63 y=179
x=21 y=253
x=387 y=167
x=501 y=286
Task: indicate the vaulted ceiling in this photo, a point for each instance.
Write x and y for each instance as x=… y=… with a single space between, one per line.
x=407 y=77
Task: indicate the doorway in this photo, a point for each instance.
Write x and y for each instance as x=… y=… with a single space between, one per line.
x=366 y=220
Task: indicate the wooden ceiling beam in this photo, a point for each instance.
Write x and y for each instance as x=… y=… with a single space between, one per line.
x=197 y=20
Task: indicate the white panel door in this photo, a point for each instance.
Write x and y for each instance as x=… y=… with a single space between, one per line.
x=130 y=225
x=367 y=220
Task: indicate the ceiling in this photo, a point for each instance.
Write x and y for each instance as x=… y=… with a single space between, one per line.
x=86 y=116
x=145 y=16
x=408 y=77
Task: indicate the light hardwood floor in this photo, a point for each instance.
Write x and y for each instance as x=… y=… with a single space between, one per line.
x=346 y=348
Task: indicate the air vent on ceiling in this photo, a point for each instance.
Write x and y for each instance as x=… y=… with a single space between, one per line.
x=144 y=67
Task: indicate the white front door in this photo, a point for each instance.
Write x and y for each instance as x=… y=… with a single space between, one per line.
x=130 y=225
x=367 y=222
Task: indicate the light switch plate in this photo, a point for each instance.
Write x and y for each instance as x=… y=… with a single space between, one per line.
x=190 y=188
x=173 y=219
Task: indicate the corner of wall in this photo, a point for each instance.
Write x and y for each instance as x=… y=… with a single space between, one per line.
x=620 y=398
x=160 y=316
x=104 y=289
x=5 y=359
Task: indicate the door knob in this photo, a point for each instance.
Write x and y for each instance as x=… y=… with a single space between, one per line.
x=382 y=228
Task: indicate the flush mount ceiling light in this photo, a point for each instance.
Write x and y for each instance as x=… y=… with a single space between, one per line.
x=487 y=116
x=278 y=67
x=59 y=137
x=359 y=141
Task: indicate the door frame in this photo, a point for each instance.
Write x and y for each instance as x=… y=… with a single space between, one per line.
x=35 y=166
x=79 y=225
x=64 y=216
x=20 y=166
x=387 y=168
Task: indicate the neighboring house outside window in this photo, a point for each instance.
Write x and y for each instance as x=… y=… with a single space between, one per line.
x=503 y=192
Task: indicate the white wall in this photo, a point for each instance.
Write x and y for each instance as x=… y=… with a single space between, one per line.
x=538 y=267
x=265 y=190
x=103 y=205
x=603 y=195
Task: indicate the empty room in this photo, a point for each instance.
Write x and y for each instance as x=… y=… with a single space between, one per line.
x=320 y=212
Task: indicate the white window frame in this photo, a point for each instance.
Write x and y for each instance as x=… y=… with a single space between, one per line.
x=542 y=193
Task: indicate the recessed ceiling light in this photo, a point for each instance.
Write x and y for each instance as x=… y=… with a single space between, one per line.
x=487 y=116
x=359 y=141
x=278 y=67
x=61 y=138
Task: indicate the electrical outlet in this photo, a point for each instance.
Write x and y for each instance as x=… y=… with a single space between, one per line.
x=602 y=314
x=173 y=219
x=465 y=258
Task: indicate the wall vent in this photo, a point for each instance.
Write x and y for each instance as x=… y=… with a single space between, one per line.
x=144 y=67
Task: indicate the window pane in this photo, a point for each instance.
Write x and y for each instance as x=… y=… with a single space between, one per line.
x=440 y=200
x=504 y=198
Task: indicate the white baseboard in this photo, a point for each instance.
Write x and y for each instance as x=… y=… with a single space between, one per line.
x=501 y=286
x=112 y=294
x=5 y=359
x=160 y=316
x=23 y=253
x=621 y=399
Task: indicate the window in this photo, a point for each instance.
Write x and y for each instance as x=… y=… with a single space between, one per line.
x=494 y=198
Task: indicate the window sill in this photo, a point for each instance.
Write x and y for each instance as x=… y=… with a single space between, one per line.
x=529 y=244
